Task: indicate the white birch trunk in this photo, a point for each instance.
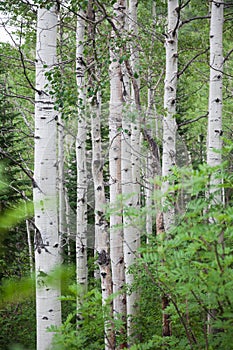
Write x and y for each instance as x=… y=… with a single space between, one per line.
x=150 y=166
x=81 y=238
x=214 y=140
x=169 y=121
x=214 y=133
x=167 y=218
x=61 y=156
x=130 y=164
x=47 y=248
x=61 y=192
x=115 y=123
x=101 y=225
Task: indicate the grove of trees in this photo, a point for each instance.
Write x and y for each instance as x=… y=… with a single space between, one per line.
x=116 y=182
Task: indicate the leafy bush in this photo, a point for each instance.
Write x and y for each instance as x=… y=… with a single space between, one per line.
x=193 y=268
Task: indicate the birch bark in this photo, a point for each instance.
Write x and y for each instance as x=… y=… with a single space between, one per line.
x=214 y=140
x=60 y=148
x=214 y=132
x=47 y=248
x=169 y=120
x=81 y=238
x=115 y=124
x=101 y=226
x=130 y=163
x=151 y=113
x=165 y=221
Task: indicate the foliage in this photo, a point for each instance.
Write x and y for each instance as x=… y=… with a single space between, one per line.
x=193 y=268
x=17 y=323
x=88 y=332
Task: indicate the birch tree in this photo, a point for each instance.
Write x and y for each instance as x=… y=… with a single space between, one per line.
x=214 y=132
x=101 y=225
x=214 y=140
x=115 y=124
x=47 y=247
x=81 y=238
x=130 y=169
x=169 y=129
x=170 y=89
x=60 y=150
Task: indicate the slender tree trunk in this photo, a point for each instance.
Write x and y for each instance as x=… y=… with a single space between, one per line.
x=61 y=193
x=169 y=121
x=47 y=248
x=214 y=140
x=101 y=225
x=130 y=164
x=214 y=133
x=102 y=247
x=169 y=130
x=60 y=150
x=115 y=124
x=81 y=238
x=151 y=115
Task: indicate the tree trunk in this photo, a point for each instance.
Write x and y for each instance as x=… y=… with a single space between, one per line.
x=169 y=121
x=115 y=124
x=81 y=238
x=60 y=150
x=214 y=133
x=214 y=140
x=101 y=225
x=167 y=219
x=130 y=164
x=151 y=118
x=47 y=248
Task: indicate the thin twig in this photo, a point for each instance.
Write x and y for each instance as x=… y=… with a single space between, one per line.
x=186 y=122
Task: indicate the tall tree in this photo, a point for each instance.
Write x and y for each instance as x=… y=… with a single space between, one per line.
x=130 y=163
x=115 y=124
x=170 y=96
x=101 y=225
x=214 y=140
x=214 y=132
x=169 y=128
x=47 y=248
x=81 y=238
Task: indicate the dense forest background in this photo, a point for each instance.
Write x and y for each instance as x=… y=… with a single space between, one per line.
x=142 y=210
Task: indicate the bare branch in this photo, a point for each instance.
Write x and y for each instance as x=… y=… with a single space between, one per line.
x=191 y=61
x=20 y=97
x=227 y=56
x=28 y=172
x=185 y=4
x=192 y=120
x=193 y=19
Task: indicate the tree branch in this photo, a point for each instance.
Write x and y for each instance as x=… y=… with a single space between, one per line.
x=28 y=172
x=227 y=56
x=191 y=61
x=192 y=120
x=193 y=19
